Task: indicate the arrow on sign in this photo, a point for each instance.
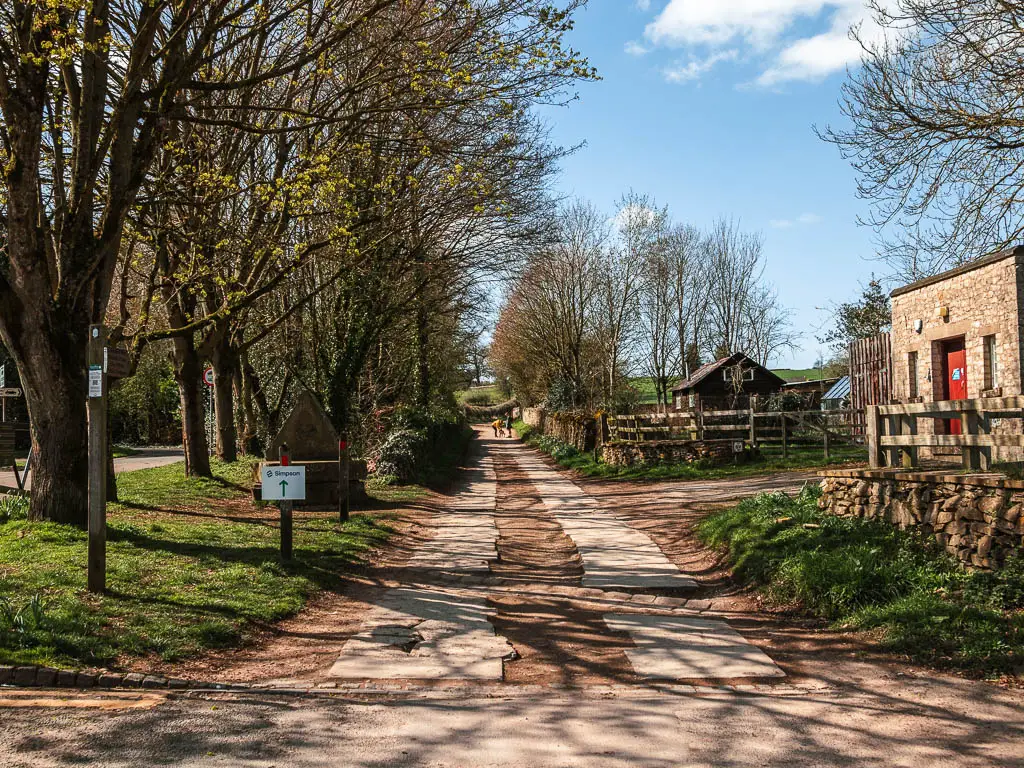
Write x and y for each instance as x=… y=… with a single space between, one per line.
x=284 y=488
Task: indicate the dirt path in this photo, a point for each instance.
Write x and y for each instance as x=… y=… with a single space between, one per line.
x=575 y=692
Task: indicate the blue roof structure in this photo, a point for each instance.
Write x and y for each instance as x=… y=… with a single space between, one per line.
x=839 y=390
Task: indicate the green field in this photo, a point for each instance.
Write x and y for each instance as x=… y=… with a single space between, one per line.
x=800 y=374
x=488 y=395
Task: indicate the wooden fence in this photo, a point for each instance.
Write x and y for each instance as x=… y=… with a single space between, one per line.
x=893 y=435
x=783 y=428
x=870 y=372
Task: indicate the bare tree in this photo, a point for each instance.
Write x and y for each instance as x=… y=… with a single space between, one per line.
x=767 y=328
x=683 y=250
x=936 y=135
x=733 y=267
x=658 y=316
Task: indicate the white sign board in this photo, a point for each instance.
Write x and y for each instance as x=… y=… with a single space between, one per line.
x=95 y=381
x=208 y=377
x=737 y=446
x=10 y=392
x=283 y=483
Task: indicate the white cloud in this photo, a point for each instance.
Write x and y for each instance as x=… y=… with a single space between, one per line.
x=804 y=219
x=695 y=68
x=633 y=48
x=765 y=27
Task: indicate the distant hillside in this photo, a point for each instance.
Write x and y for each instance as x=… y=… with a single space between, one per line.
x=800 y=374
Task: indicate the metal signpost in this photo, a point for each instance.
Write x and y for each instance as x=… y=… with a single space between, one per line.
x=284 y=484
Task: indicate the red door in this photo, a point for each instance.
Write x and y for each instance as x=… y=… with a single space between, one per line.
x=956 y=377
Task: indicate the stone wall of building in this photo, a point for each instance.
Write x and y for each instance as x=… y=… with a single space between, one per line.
x=979 y=301
x=648 y=453
x=976 y=519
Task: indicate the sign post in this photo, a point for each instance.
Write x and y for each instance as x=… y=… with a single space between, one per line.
x=284 y=484
x=97 y=409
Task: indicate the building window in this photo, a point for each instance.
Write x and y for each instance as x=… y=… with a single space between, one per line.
x=912 y=374
x=991 y=363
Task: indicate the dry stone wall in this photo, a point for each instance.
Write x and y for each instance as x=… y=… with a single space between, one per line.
x=628 y=454
x=977 y=519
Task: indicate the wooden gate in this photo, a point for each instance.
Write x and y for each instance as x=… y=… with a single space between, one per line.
x=870 y=373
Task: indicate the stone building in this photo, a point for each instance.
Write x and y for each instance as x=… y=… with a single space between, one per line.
x=958 y=335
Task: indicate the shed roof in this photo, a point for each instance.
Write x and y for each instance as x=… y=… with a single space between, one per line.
x=708 y=368
x=839 y=390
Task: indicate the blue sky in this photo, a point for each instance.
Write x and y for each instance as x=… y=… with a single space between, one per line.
x=709 y=106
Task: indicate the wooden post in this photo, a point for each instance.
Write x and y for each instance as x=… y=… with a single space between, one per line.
x=785 y=441
x=872 y=425
x=908 y=426
x=969 y=426
x=753 y=428
x=825 y=440
x=343 y=473
x=984 y=454
x=96 y=577
x=286 y=511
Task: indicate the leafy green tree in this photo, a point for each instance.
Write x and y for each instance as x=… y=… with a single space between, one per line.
x=869 y=316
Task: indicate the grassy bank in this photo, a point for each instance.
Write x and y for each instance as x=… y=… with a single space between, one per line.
x=770 y=461
x=867 y=575
x=192 y=565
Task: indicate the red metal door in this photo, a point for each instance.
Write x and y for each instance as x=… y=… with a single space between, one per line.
x=956 y=377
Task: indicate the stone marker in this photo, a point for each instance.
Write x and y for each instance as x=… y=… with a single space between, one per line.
x=313 y=442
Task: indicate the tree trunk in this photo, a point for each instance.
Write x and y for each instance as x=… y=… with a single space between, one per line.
x=188 y=374
x=48 y=347
x=423 y=341
x=225 y=365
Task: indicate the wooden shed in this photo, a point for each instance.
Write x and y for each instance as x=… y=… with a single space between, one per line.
x=726 y=383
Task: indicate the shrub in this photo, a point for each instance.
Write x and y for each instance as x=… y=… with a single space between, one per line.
x=420 y=445
x=24 y=621
x=13 y=507
x=867 y=574
x=400 y=454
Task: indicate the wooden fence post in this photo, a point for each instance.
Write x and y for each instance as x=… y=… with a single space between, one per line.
x=753 y=428
x=785 y=435
x=825 y=440
x=96 y=575
x=344 y=486
x=969 y=426
x=872 y=429
x=985 y=454
x=286 y=511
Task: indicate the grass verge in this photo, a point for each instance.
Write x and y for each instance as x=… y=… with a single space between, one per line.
x=192 y=565
x=769 y=462
x=869 y=575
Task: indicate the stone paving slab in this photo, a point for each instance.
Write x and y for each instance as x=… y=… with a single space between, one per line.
x=424 y=633
x=615 y=555
x=430 y=632
x=466 y=534
x=689 y=648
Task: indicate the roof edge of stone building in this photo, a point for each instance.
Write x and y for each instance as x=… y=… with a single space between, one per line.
x=1016 y=251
